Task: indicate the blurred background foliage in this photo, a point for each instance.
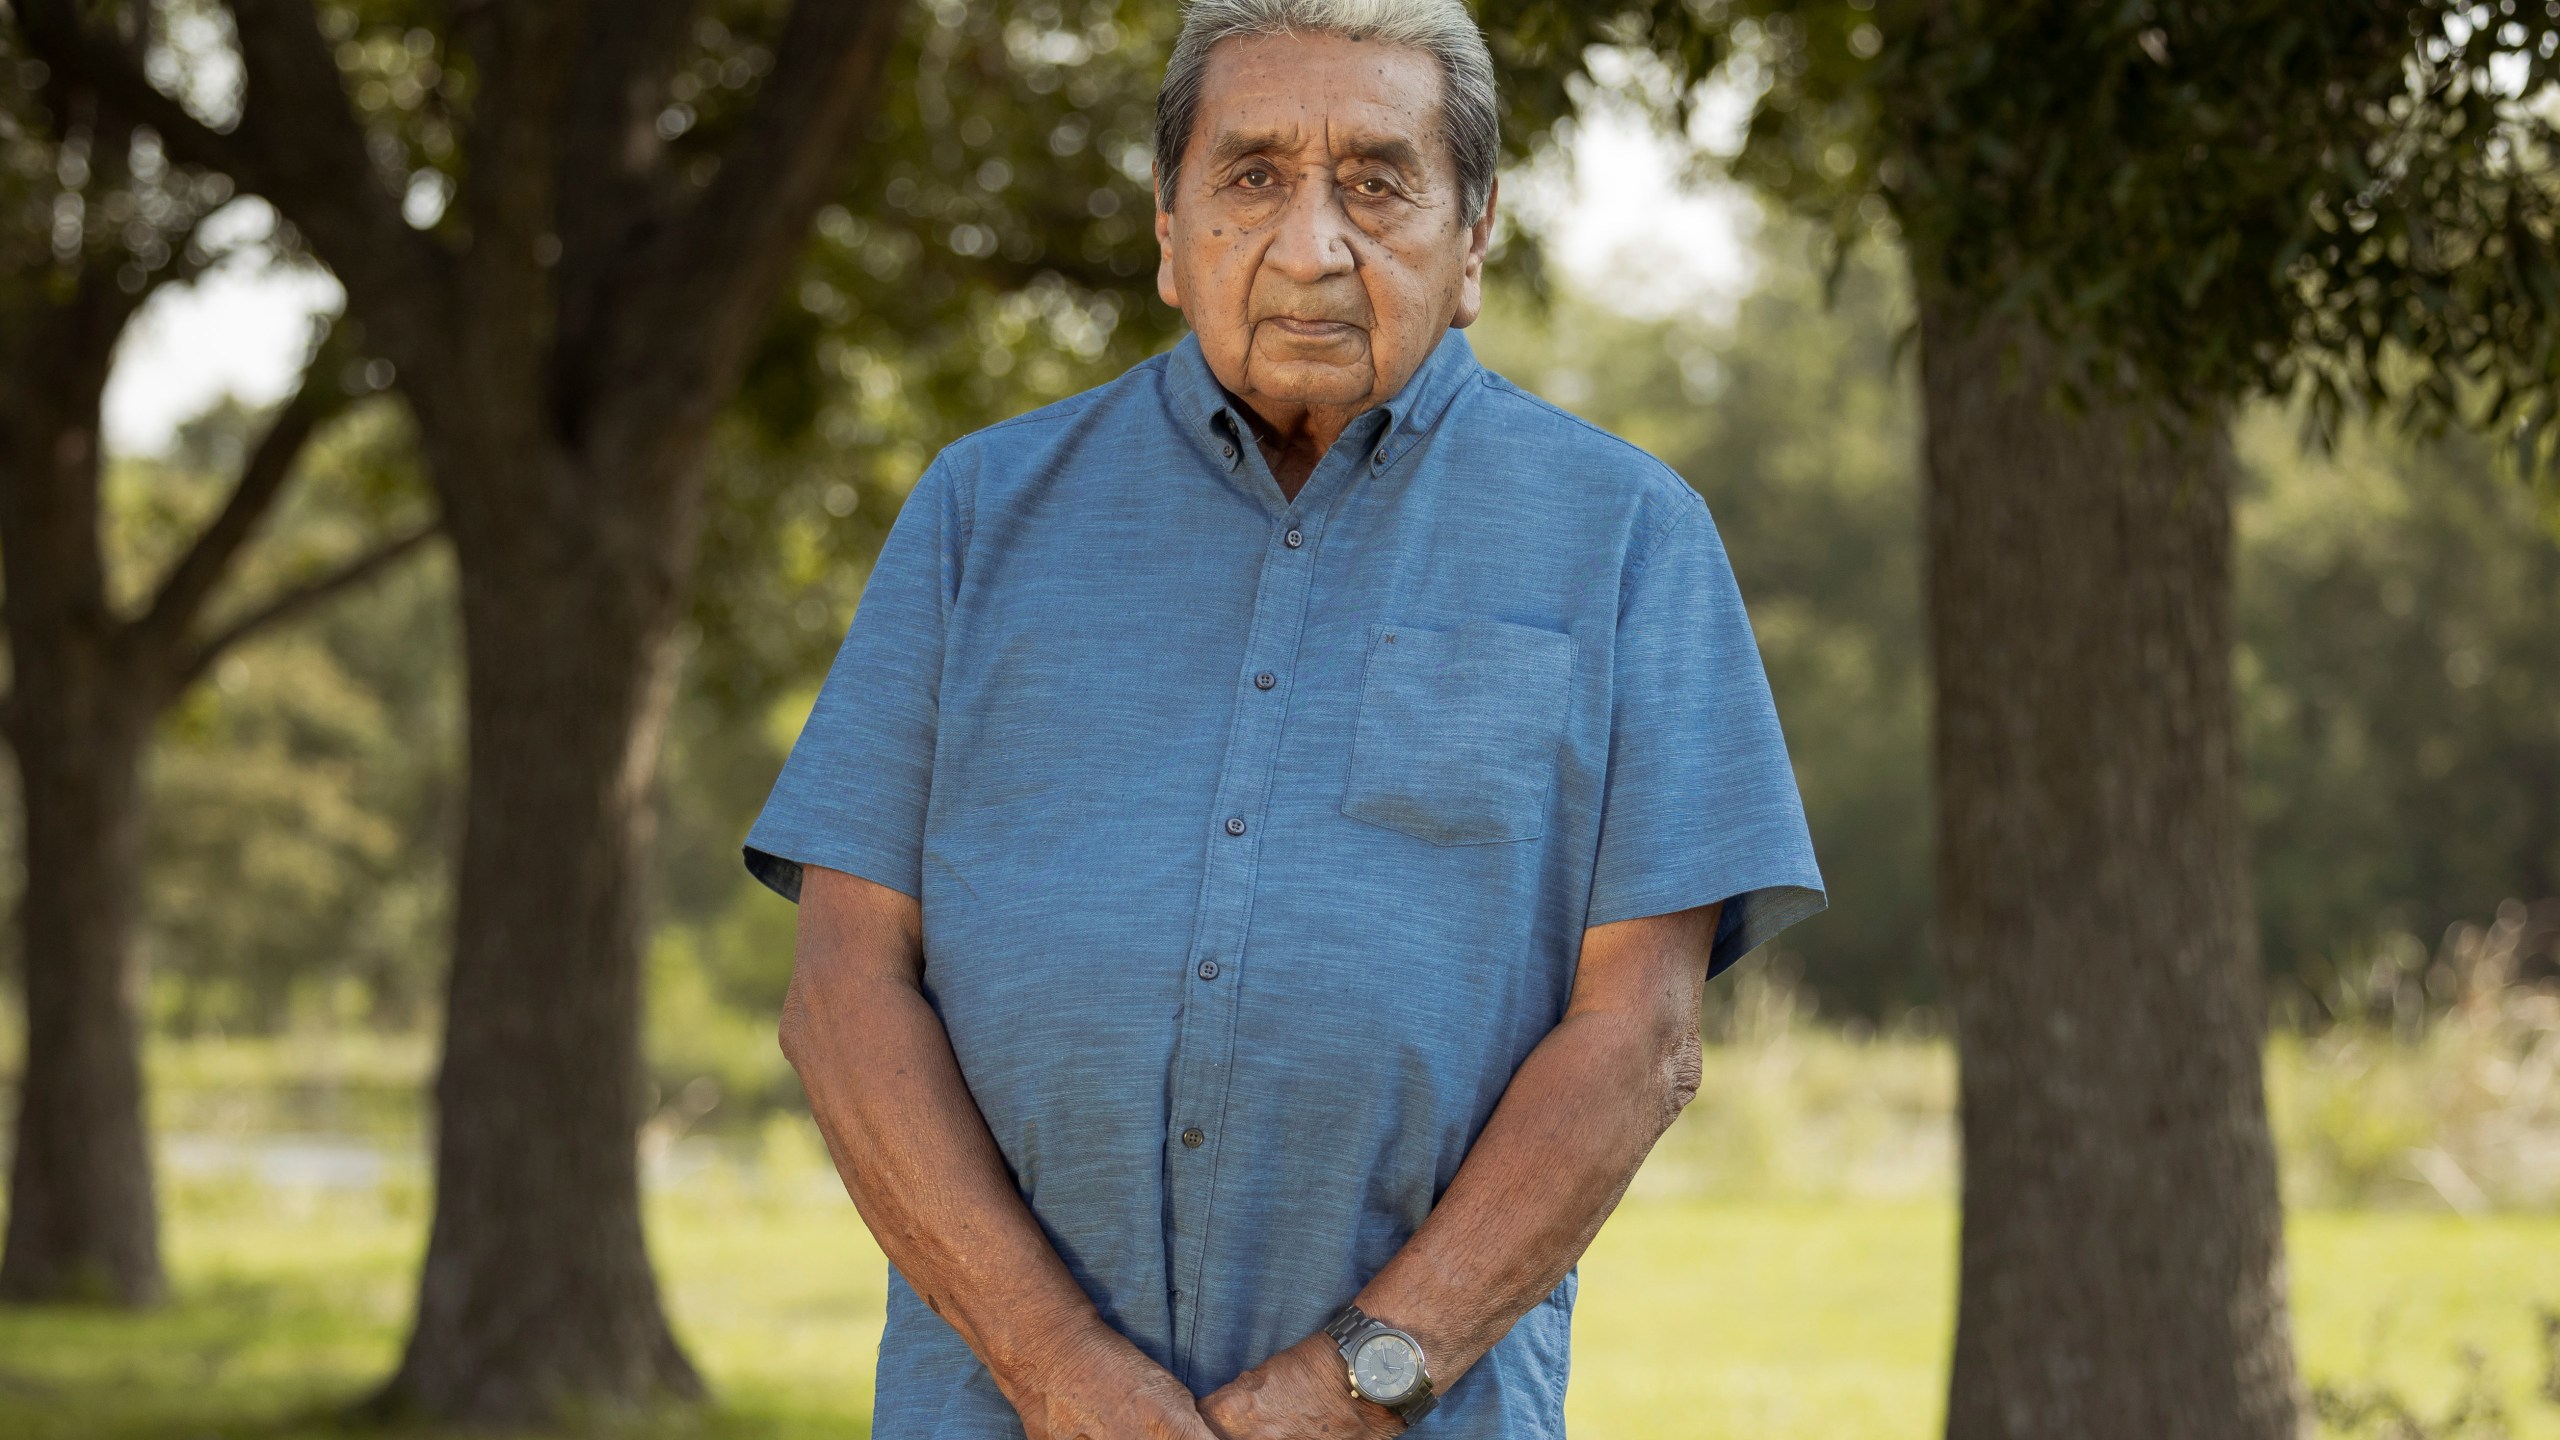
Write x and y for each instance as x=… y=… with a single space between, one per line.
x=302 y=797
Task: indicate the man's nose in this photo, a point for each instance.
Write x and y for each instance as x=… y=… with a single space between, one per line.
x=1314 y=238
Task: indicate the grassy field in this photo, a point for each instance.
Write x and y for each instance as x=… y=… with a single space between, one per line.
x=1783 y=1267
x=1700 y=1318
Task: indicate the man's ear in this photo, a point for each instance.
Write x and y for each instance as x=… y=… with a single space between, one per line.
x=1167 y=289
x=1471 y=278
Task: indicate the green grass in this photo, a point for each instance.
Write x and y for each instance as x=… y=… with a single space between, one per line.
x=1784 y=1267
x=1702 y=1319
x=1699 y=1318
x=1709 y=1320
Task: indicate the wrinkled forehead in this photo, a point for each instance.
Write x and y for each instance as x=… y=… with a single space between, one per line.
x=1320 y=95
x=1334 y=142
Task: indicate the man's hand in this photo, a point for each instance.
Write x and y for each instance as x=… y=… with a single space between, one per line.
x=1095 y=1385
x=1299 y=1394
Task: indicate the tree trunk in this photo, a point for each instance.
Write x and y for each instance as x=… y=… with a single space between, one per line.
x=2122 y=1269
x=537 y=1290
x=83 y=1221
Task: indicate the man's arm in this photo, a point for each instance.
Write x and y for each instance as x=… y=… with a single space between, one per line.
x=924 y=1171
x=1577 y=1119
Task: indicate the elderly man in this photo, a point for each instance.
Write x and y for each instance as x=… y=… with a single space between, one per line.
x=1262 y=841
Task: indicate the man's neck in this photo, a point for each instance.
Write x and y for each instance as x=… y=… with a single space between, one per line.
x=1294 y=438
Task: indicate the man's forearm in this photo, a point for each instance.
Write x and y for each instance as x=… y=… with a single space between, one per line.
x=916 y=1157
x=910 y=1144
x=1550 y=1165
x=1577 y=1119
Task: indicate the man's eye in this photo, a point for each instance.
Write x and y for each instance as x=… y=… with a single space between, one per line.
x=1255 y=178
x=1373 y=187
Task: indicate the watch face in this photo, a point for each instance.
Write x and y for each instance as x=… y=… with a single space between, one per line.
x=1385 y=1368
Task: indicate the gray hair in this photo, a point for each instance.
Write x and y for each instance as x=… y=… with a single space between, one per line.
x=1470 y=112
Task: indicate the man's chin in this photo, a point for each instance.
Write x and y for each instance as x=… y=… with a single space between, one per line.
x=1314 y=382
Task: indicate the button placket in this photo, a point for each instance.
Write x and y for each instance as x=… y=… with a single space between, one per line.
x=1205 y=1051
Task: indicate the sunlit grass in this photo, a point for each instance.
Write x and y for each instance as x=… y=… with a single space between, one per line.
x=1783 y=1268
x=1714 y=1320
x=1699 y=1318
x=1710 y=1319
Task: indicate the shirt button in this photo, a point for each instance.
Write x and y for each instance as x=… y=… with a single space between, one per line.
x=1192 y=1139
x=1379 y=460
x=1293 y=539
x=1227 y=450
x=1235 y=824
x=1265 y=680
x=1208 y=969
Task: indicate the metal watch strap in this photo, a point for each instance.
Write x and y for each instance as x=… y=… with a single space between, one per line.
x=1350 y=1322
x=1420 y=1405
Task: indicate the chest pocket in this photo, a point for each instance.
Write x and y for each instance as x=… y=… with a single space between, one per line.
x=1459 y=729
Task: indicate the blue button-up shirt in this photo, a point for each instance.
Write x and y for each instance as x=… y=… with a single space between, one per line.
x=1255 y=837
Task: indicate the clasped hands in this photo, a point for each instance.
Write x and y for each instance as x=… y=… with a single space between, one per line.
x=1095 y=1385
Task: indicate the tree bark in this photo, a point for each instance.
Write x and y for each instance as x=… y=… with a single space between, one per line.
x=2122 y=1264
x=83 y=1219
x=537 y=1290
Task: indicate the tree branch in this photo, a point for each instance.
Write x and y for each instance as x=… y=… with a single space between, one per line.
x=309 y=158
x=296 y=144
x=609 y=181
x=102 y=64
x=183 y=267
x=609 y=143
x=710 y=273
x=291 y=602
x=55 y=352
x=182 y=593
x=775 y=170
x=527 y=57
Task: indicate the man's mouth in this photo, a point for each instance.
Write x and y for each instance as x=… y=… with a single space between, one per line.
x=1310 y=329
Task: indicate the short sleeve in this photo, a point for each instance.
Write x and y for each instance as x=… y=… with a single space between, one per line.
x=852 y=795
x=1701 y=803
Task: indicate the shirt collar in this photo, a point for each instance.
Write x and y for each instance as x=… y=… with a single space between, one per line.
x=1386 y=431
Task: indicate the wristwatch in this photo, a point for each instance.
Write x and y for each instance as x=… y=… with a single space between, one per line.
x=1385 y=1363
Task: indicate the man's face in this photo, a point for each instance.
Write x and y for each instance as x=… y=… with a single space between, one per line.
x=1316 y=242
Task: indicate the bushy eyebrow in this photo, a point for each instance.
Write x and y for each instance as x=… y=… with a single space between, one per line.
x=1390 y=150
